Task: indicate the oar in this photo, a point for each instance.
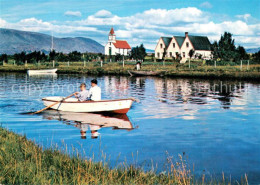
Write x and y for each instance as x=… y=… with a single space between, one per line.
x=52 y=104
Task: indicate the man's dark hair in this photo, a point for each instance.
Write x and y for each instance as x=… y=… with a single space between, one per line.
x=94 y=81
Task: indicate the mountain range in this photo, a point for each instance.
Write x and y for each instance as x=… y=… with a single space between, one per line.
x=15 y=41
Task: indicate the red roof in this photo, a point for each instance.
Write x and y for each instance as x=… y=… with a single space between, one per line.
x=122 y=44
x=112 y=31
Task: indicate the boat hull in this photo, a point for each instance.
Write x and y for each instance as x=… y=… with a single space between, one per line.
x=41 y=71
x=120 y=106
x=143 y=73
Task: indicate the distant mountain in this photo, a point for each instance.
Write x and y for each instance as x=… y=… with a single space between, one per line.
x=149 y=51
x=15 y=41
x=252 y=50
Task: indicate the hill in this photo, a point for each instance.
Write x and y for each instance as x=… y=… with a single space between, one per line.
x=252 y=50
x=15 y=41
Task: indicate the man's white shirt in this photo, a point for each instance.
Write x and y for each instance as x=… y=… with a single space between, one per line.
x=95 y=93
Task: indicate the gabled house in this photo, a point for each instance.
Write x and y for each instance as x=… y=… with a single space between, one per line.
x=114 y=47
x=170 y=47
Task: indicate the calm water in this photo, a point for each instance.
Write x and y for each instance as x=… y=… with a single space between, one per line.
x=215 y=124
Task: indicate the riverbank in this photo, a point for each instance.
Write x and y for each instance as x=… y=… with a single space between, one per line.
x=24 y=162
x=251 y=72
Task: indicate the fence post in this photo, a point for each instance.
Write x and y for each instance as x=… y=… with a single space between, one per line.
x=101 y=63
x=123 y=61
x=241 y=65
x=68 y=63
x=215 y=64
x=25 y=63
x=53 y=63
x=189 y=63
x=247 y=67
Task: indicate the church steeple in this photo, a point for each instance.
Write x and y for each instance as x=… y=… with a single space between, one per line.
x=111 y=35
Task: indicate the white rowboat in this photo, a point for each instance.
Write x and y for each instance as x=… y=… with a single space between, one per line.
x=41 y=71
x=119 y=106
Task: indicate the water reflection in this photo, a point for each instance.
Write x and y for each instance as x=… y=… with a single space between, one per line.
x=89 y=121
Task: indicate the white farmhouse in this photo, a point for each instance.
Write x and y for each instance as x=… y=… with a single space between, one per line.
x=170 y=47
x=114 y=47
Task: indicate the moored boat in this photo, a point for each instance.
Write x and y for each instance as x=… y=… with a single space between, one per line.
x=144 y=73
x=119 y=106
x=41 y=71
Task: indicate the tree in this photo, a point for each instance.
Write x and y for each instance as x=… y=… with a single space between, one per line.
x=226 y=50
x=118 y=57
x=191 y=53
x=256 y=57
x=242 y=53
x=52 y=55
x=4 y=58
x=138 y=52
x=75 y=56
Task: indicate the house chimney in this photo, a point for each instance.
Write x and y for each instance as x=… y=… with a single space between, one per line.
x=186 y=34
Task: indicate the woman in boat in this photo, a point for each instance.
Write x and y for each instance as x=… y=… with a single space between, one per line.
x=83 y=94
x=94 y=91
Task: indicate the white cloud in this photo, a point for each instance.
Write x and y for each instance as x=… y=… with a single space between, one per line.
x=206 y=4
x=73 y=13
x=146 y=27
x=245 y=17
x=103 y=14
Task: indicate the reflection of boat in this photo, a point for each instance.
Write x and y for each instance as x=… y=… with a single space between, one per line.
x=144 y=73
x=90 y=121
x=119 y=106
x=41 y=71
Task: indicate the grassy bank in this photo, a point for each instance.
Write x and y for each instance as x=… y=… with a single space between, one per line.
x=24 y=162
x=251 y=72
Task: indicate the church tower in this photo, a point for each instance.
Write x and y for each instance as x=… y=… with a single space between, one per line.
x=112 y=36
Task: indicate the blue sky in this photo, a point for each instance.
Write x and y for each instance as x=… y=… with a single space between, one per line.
x=137 y=21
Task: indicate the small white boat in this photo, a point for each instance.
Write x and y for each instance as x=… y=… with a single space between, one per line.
x=119 y=106
x=41 y=71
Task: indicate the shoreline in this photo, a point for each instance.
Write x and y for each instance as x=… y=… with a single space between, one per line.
x=24 y=161
x=167 y=71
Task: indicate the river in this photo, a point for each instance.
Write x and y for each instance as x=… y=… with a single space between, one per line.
x=214 y=125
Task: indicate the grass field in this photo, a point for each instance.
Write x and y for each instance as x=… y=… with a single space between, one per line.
x=195 y=69
x=24 y=162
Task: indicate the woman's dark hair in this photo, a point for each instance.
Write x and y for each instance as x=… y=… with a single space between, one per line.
x=94 y=81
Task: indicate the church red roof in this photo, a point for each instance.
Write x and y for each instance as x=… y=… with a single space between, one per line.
x=112 y=32
x=122 y=44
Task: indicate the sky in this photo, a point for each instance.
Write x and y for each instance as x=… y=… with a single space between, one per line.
x=137 y=21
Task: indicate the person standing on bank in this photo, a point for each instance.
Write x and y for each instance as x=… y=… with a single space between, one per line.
x=94 y=91
x=83 y=94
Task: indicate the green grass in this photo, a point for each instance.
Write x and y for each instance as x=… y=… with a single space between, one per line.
x=196 y=69
x=24 y=162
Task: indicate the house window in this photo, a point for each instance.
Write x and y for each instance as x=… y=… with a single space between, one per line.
x=187 y=44
x=161 y=45
x=158 y=55
x=170 y=54
x=183 y=54
x=173 y=45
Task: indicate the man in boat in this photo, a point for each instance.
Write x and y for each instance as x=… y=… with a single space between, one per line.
x=83 y=94
x=94 y=91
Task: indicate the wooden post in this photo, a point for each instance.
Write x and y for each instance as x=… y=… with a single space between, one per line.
x=215 y=64
x=25 y=63
x=123 y=61
x=101 y=63
x=68 y=63
x=241 y=65
x=53 y=63
x=247 y=67
x=189 y=63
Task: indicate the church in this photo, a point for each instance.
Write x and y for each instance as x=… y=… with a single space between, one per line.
x=114 y=47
